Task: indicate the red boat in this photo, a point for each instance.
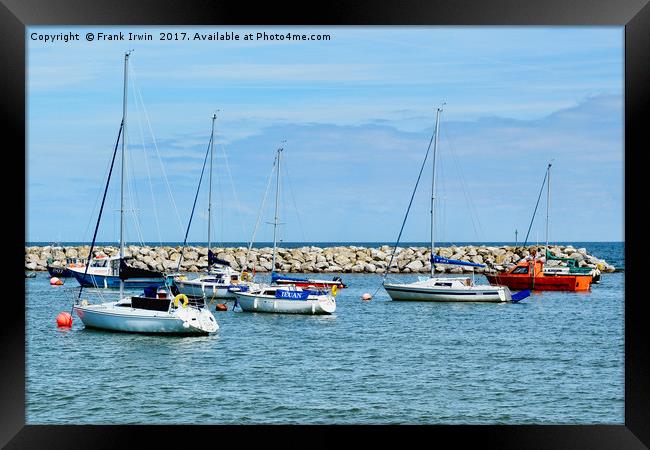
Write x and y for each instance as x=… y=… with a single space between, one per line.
x=530 y=275
x=307 y=282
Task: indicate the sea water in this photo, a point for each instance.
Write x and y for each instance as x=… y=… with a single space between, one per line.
x=554 y=358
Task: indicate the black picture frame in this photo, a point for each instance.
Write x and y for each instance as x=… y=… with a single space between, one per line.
x=15 y=15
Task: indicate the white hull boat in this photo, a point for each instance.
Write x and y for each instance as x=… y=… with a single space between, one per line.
x=447 y=290
x=218 y=284
x=205 y=286
x=157 y=311
x=123 y=316
x=220 y=277
x=286 y=300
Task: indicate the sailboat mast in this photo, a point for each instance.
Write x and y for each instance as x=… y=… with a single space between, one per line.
x=124 y=98
x=548 y=202
x=275 y=219
x=214 y=117
x=433 y=190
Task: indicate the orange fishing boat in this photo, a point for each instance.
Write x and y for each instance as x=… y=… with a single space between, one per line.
x=530 y=275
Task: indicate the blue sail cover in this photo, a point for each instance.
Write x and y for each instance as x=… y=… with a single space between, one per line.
x=214 y=260
x=276 y=276
x=440 y=260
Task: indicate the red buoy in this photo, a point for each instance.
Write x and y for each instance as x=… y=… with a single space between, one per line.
x=54 y=281
x=64 y=320
x=221 y=307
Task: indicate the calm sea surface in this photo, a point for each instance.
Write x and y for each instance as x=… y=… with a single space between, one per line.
x=553 y=358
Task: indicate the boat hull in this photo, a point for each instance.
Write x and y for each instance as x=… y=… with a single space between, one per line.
x=110 y=281
x=400 y=292
x=59 y=272
x=318 y=284
x=133 y=321
x=573 y=283
x=198 y=289
x=268 y=304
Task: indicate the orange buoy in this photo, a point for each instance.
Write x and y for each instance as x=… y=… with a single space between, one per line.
x=54 y=281
x=365 y=297
x=221 y=307
x=64 y=320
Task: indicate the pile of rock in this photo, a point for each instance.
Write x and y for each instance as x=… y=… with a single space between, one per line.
x=310 y=259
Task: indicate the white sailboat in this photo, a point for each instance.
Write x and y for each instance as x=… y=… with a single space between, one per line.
x=157 y=311
x=285 y=299
x=220 y=277
x=446 y=289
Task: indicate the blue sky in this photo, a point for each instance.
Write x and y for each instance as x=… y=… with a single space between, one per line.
x=357 y=113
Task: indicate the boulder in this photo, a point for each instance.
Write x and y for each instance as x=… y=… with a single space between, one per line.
x=341 y=260
x=190 y=255
x=415 y=266
x=577 y=256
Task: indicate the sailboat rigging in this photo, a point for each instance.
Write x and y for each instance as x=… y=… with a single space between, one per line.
x=157 y=310
x=221 y=278
x=285 y=298
x=444 y=289
x=532 y=273
x=285 y=280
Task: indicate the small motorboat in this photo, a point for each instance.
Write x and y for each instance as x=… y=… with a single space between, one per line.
x=530 y=274
x=286 y=300
x=63 y=271
x=571 y=268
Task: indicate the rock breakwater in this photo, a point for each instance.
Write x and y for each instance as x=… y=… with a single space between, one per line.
x=311 y=259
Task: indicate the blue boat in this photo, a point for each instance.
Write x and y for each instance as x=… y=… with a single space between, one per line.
x=106 y=272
